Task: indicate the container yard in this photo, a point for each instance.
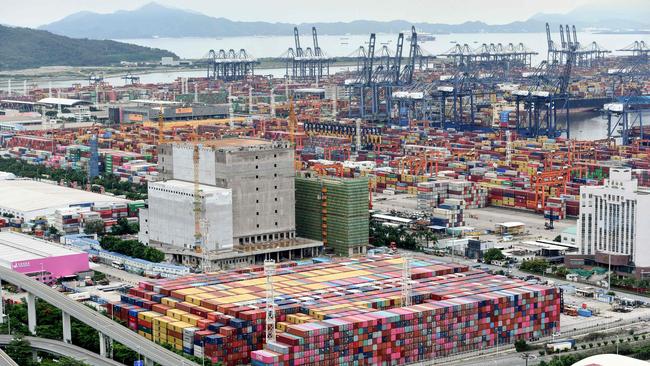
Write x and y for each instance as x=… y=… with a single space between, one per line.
x=340 y=312
x=288 y=208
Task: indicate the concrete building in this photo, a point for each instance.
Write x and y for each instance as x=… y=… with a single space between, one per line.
x=169 y=219
x=29 y=199
x=613 y=225
x=40 y=259
x=260 y=174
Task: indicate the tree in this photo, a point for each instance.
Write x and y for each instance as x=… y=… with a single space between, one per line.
x=521 y=345
x=493 y=254
x=94 y=227
x=123 y=227
x=20 y=351
x=558 y=239
x=561 y=271
x=534 y=265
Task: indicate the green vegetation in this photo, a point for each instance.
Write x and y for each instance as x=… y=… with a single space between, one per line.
x=132 y=248
x=111 y=183
x=49 y=326
x=493 y=254
x=534 y=265
x=28 y=48
x=19 y=350
x=521 y=345
x=385 y=235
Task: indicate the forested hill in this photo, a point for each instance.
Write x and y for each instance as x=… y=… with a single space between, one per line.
x=24 y=48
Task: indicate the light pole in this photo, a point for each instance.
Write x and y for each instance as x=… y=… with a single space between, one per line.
x=527 y=356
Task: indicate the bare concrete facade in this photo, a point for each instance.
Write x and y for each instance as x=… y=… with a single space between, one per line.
x=260 y=174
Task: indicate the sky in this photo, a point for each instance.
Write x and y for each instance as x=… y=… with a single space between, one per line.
x=33 y=13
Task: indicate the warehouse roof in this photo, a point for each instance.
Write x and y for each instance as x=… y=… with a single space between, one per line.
x=511 y=224
x=610 y=360
x=19 y=247
x=24 y=195
x=63 y=101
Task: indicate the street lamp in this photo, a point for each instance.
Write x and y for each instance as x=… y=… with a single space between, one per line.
x=527 y=356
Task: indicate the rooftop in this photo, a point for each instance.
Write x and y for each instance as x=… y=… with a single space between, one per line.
x=19 y=247
x=28 y=195
x=187 y=186
x=610 y=360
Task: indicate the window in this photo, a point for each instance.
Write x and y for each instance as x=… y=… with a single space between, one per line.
x=257 y=213
x=276 y=199
x=257 y=188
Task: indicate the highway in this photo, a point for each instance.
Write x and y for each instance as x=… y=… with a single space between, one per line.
x=61 y=349
x=5 y=360
x=130 y=339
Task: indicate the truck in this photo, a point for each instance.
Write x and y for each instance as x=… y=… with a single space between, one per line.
x=561 y=345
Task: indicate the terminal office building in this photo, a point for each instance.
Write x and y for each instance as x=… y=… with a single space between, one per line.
x=613 y=226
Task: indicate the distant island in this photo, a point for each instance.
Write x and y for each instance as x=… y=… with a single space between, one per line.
x=154 y=20
x=24 y=48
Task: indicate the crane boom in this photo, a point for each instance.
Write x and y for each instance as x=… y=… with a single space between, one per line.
x=398 y=57
x=296 y=37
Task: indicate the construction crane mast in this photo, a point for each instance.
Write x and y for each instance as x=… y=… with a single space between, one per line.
x=198 y=204
x=269 y=272
x=161 y=126
x=407 y=294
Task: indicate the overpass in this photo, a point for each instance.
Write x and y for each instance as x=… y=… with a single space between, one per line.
x=5 y=360
x=107 y=329
x=62 y=349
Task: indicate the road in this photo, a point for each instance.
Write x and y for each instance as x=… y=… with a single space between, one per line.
x=5 y=360
x=516 y=272
x=63 y=349
x=123 y=276
x=130 y=339
x=506 y=356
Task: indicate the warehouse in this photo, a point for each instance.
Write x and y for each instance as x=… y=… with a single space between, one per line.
x=29 y=199
x=260 y=174
x=169 y=219
x=40 y=259
x=348 y=309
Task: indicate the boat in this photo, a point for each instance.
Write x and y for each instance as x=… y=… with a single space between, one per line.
x=423 y=37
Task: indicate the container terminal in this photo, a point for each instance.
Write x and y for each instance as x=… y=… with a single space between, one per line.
x=247 y=175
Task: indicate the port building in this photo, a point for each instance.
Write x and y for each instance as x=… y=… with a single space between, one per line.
x=613 y=225
x=171 y=203
x=29 y=199
x=40 y=259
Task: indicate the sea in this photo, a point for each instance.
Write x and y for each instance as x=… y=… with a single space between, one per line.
x=585 y=127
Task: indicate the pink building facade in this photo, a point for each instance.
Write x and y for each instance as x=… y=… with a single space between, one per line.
x=50 y=269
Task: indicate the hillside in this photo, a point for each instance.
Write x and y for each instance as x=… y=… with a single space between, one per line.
x=27 y=48
x=155 y=20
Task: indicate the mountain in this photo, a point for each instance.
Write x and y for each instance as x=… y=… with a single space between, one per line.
x=603 y=14
x=26 y=48
x=154 y=20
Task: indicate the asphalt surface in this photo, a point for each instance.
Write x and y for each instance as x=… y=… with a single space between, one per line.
x=130 y=339
x=63 y=349
x=123 y=276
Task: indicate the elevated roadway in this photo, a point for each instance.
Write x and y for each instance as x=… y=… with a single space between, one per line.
x=106 y=327
x=5 y=360
x=61 y=349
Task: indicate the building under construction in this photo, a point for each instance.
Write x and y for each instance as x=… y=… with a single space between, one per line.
x=334 y=211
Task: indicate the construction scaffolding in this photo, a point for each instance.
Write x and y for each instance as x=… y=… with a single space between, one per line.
x=333 y=210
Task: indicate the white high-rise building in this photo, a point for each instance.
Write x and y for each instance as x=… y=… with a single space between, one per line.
x=614 y=225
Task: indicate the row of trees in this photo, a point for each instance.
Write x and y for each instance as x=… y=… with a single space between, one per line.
x=110 y=182
x=132 y=248
x=383 y=236
x=123 y=227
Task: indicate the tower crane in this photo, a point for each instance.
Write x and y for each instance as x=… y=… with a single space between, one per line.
x=161 y=126
x=198 y=203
